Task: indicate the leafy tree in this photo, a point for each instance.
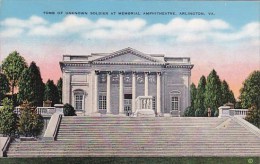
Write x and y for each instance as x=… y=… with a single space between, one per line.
x=13 y=67
x=8 y=119
x=68 y=110
x=200 y=97
x=31 y=87
x=250 y=92
x=213 y=94
x=51 y=92
x=227 y=94
x=59 y=86
x=30 y=123
x=253 y=116
x=4 y=86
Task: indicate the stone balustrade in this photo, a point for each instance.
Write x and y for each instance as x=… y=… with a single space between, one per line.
x=44 y=111
x=225 y=111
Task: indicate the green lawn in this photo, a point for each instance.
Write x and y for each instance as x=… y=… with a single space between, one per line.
x=157 y=160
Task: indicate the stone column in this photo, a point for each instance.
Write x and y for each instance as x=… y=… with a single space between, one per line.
x=95 y=108
x=121 y=92
x=133 y=91
x=108 y=92
x=146 y=83
x=158 y=90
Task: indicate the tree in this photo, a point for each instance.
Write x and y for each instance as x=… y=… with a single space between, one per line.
x=199 y=112
x=227 y=94
x=51 y=92
x=250 y=97
x=190 y=111
x=213 y=94
x=253 y=116
x=250 y=92
x=31 y=87
x=30 y=123
x=200 y=97
x=13 y=67
x=59 y=86
x=69 y=110
x=4 y=86
x=8 y=119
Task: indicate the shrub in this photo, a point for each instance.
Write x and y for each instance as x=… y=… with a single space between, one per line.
x=30 y=123
x=8 y=119
x=69 y=110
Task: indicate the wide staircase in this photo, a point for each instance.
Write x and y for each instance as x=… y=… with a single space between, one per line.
x=143 y=137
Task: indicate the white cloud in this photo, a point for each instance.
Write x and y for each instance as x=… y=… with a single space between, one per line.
x=31 y=22
x=176 y=30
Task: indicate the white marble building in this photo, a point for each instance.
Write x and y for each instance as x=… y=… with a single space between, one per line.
x=110 y=83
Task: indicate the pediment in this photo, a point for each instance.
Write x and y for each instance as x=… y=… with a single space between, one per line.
x=127 y=55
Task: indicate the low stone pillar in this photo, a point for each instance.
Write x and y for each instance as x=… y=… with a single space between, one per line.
x=59 y=108
x=223 y=111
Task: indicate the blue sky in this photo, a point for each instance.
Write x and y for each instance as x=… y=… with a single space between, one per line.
x=227 y=41
x=237 y=13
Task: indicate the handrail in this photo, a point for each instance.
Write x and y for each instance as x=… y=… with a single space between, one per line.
x=4 y=146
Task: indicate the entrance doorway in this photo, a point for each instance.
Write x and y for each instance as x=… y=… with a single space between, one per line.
x=128 y=104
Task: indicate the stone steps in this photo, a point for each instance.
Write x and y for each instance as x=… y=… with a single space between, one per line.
x=142 y=137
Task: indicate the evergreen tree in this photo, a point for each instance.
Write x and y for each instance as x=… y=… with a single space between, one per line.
x=213 y=94
x=200 y=97
x=250 y=97
x=8 y=119
x=31 y=87
x=51 y=92
x=4 y=86
x=13 y=67
x=250 y=92
x=59 y=86
x=190 y=111
x=253 y=116
x=227 y=94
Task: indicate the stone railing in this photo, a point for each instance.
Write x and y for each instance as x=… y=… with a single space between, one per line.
x=144 y=106
x=238 y=112
x=144 y=102
x=44 y=111
x=225 y=111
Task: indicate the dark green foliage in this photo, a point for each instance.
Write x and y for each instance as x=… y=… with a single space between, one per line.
x=250 y=97
x=193 y=93
x=189 y=112
x=30 y=123
x=59 y=86
x=8 y=119
x=13 y=67
x=250 y=92
x=51 y=92
x=31 y=87
x=199 y=112
x=4 y=86
x=200 y=97
x=213 y=94
x=69 y=110
x=253 y=116
x=227 y=94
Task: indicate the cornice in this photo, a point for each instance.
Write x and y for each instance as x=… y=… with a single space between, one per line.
x=125 y=63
